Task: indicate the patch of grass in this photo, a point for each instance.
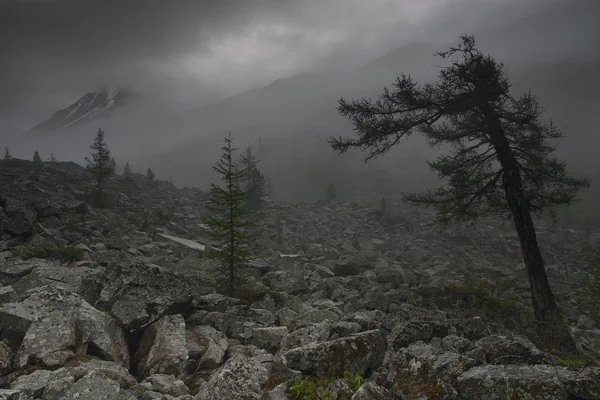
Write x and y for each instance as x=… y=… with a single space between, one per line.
x=310 y=388
x=62 y=253
x=583 y=359
x=480 y=297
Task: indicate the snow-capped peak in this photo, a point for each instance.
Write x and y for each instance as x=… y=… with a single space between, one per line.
x=88 y=107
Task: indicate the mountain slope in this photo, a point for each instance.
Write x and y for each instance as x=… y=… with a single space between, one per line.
x=89 y=107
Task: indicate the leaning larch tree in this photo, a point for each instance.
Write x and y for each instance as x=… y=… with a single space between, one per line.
x=500 y=164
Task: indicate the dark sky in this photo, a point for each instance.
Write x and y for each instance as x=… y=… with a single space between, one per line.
x=54 y=51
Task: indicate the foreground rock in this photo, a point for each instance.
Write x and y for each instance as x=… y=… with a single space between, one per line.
x=538 y=382
x=51 y=324
x=240 y=378
x=163 y=348
x=139 y=294
x=360 y=353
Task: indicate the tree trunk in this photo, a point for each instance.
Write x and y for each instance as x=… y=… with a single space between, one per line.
x=552 y=328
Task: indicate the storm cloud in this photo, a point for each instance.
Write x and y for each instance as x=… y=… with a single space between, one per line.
x=53 y=51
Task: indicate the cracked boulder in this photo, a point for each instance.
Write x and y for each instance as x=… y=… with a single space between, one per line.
x=140 y=294
x=47 y=322
x=360 y=353
x=163 y=347
x=240 y=378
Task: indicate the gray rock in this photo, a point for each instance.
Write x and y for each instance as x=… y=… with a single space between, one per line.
x=499 y=349
x=212 y=357
x=82 y=366
x=359 y=353
x=371 y=391
x=6 y=394
x=158 y=290
x=167 y=384
x=18 y=217
x=97 y=333
x=163 y=347
x=94 y=386
x=32 y=385
x=313 y=333
x=198 y=337
x=409 y=332
x=7 y=294
x=6 y=356
x=58 y=389
x=241 y=378
x=269 y=338
x=53 y=332
x=340 y=390
x=536 y=382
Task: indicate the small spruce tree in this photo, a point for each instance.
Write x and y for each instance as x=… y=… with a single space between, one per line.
x=150 y=175
x=52 y=158
x=331 y=192
x=37 y=160
x=7 y=155
x=127 y=170
x=229 y=219
x=101 y=165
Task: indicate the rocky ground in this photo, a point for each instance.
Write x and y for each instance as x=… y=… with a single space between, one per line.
x=117 y=303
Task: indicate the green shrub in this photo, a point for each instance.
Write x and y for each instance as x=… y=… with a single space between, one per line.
x=310 y=388
x=354 y=381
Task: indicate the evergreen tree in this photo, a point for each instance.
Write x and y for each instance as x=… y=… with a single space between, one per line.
x=248 y=162
x=37 y=161
x=331 y=192
x=52 y=158
x=101 y=165
x=256 y=188
x=7 y=155
x=269 y=187
x=127 y=170
x=150 y=175
x=229 y=221
x=501 y=162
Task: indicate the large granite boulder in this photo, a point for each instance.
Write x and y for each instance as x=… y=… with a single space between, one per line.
x=240 y=378
x=163 y=347
x=140 y=294
x=360 y=353
x=47 y=323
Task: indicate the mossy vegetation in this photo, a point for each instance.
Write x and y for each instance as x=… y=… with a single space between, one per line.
x=490 y=301
x=62 y=253
x=582 y=359
x=312 y=388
